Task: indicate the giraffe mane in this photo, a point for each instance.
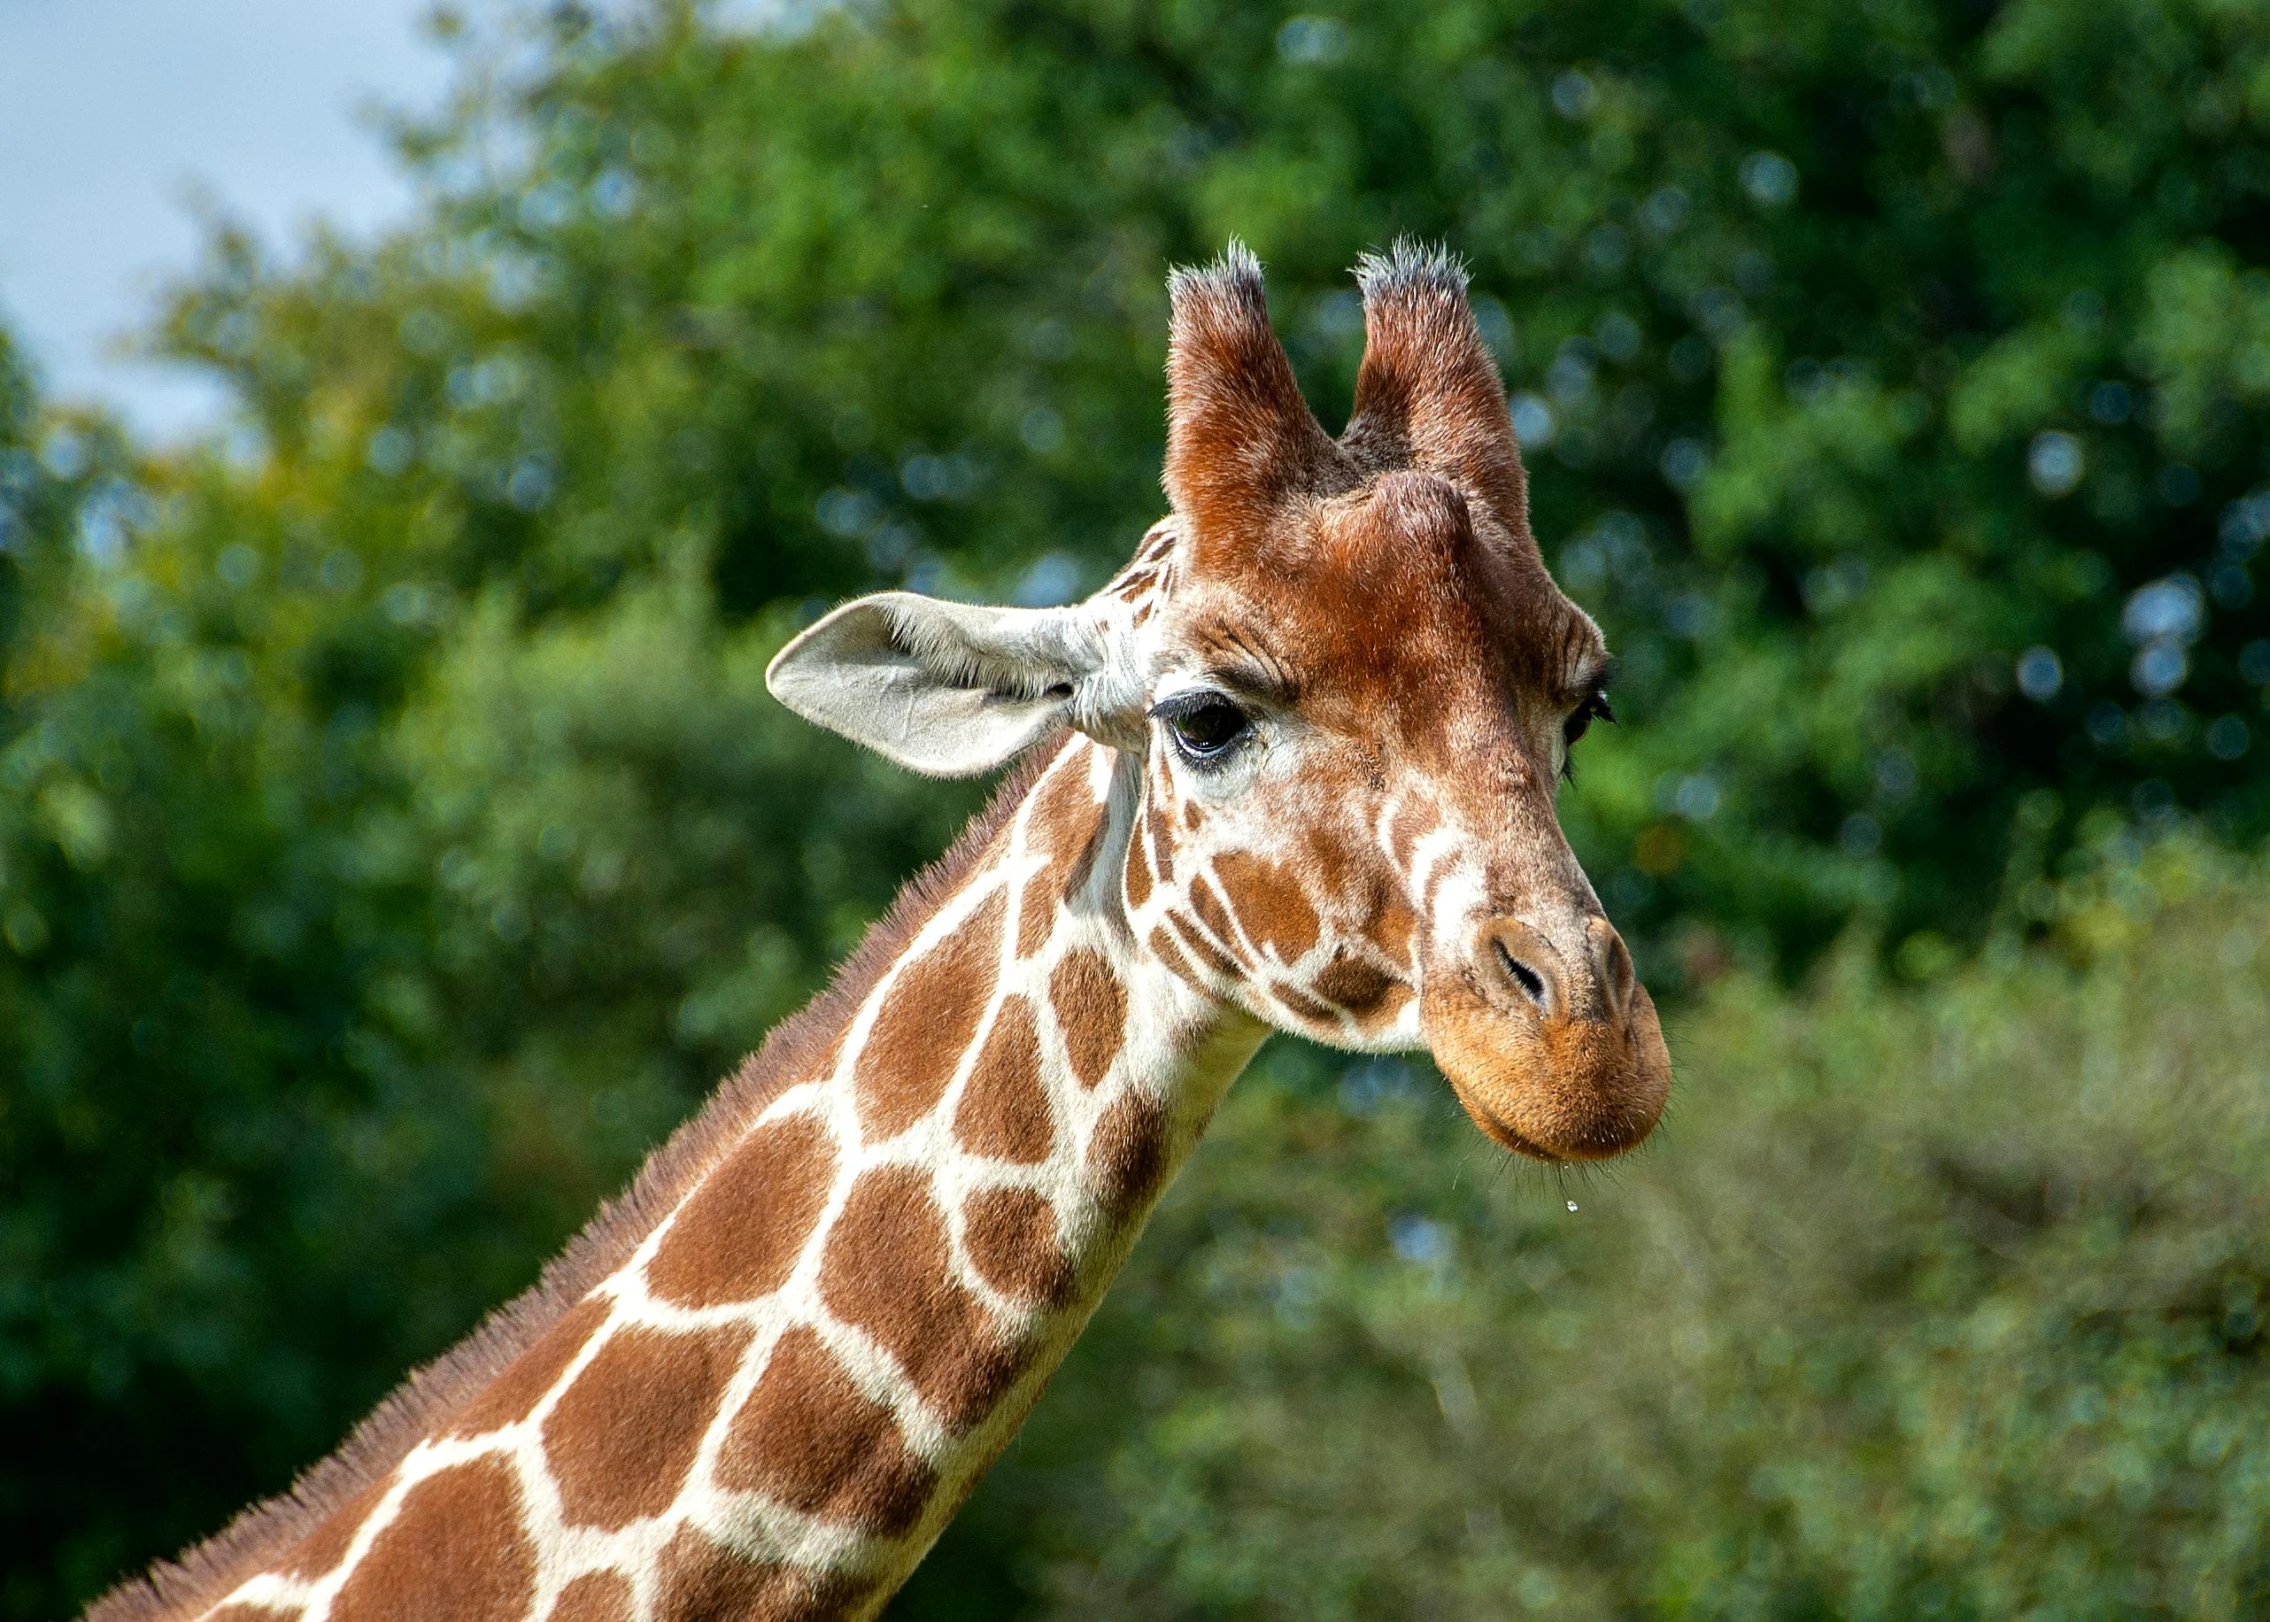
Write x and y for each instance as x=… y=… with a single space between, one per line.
x=434 y=1392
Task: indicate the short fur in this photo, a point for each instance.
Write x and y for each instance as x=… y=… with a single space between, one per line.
x=1428 y=396
x=1240 y=438
x=424 y=1401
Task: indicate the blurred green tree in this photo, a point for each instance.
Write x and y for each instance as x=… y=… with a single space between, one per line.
x=1885 y=370
x=394 y=838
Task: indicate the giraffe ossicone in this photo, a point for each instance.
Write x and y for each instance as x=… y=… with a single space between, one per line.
x=1293 y=768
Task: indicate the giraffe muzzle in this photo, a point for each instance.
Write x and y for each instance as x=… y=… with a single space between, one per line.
x=1553 y=1048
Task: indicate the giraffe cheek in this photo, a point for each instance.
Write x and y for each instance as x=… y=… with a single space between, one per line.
x=1358 y=985
x=1391 y=929
x=1267 y=899
x=1388 y=1013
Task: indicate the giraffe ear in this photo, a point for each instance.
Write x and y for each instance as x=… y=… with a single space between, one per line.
x=1428 y=394
x=946 y=689
x=1239 y=435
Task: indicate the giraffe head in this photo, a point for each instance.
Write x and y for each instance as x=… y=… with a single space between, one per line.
x=1345 y=689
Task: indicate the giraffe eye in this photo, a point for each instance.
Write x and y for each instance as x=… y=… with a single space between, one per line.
x=1580 y=722
x=1204 y=726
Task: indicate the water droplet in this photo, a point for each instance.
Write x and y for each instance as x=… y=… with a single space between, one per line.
x=1572 y=1205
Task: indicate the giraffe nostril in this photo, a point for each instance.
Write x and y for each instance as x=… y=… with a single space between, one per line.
x=1528 y=979
x=1528 y=969
x=1612 y=961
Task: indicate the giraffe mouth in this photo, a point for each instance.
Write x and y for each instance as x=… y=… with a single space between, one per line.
x=1498 y=1131
x=1551 y=1089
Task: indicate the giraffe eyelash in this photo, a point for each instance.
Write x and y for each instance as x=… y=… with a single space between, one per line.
x=1594 y=708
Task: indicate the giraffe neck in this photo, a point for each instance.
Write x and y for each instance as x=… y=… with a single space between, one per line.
x=773 y=1405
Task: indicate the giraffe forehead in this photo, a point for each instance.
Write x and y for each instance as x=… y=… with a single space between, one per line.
x=1409 y=625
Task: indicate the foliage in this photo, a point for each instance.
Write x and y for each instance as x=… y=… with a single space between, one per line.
x=1864 y=353
x=394 y=838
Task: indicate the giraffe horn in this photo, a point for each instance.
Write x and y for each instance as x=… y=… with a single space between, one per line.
x=1239 y=436
x=1428 y=395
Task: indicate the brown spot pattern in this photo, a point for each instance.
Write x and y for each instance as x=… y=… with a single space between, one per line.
x=1056 y=831
x=322 y=1549
x=1353 y=984
x=1164 y=949
x=1076 y=876
x=1138 y=871
x=1269 y=902
x=1062 y=831
x=596 y=1596
x=1204 y=950
x=930 y=1013
x=239 y=1611
x=1011 y=1237
x=510 y=1397
x=1210 y=911
x=1412 y=823
x=823 y=1067
x=1306 y=1007
x=1091 y=1009
x=739 y=1236
x=699 y=1580
x=1062 y=814
x=811 y=1439
x=1162 y=853
x=1326 y=859
x=623 y=1437
x=1004 y=1113
x=454 y=1553
x=1392 y=927
x=887 y=1271
x=1128 y=1154
x=1036 y=918
x=1384 y=1012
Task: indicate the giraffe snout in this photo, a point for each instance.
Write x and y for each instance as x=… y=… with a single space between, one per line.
x=1549 y=1039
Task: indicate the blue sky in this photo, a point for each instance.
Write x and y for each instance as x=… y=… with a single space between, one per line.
x=112 y=112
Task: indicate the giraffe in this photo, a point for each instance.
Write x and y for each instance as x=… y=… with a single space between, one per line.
x=1294 y=768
